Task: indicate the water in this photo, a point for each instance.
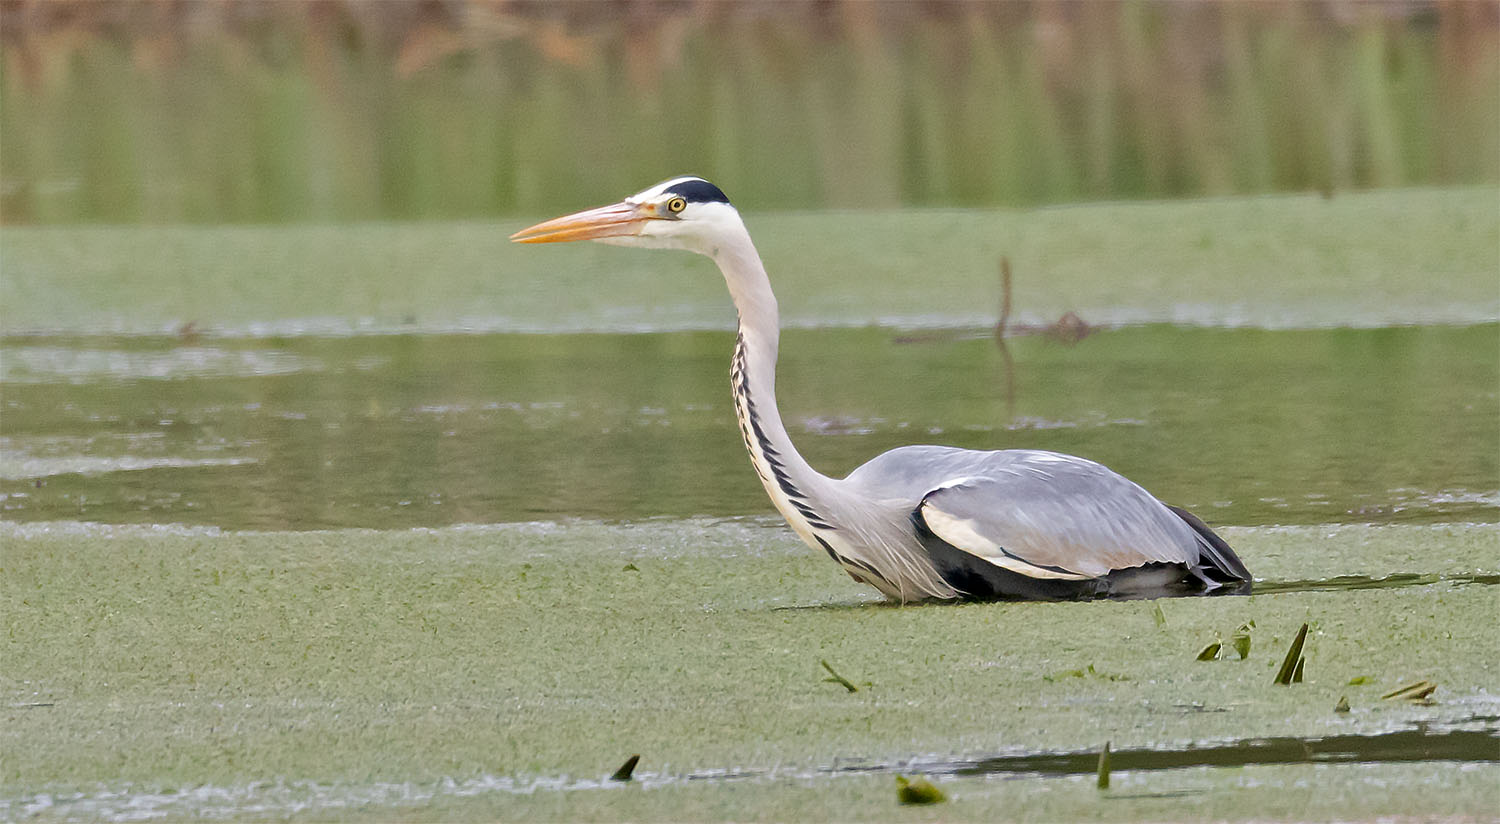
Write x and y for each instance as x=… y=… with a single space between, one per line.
x=1244 y=426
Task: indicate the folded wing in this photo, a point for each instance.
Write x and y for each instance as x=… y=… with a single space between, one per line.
x=1051 y=516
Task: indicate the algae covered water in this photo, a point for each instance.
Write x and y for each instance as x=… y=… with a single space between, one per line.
x=292 y=531
x=320 y=500
x=505 y=671
x=466 y=576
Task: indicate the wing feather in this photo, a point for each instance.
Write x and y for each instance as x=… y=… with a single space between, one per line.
x=1048 y=515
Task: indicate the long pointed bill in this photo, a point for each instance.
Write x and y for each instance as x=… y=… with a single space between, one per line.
x=616 y=220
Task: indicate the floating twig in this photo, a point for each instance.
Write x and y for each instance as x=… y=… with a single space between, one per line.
x=838 y=679
x=1291 y=666
x=1002 y=325
x=1004 y=319
x=1412 y=692
x=1087 y=672
x=917 y=791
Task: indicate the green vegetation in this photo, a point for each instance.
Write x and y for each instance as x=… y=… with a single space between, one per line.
x=1241 y=639
x=1291 y=666
x=1102 y=771
x=139 y=112
x=918 y=791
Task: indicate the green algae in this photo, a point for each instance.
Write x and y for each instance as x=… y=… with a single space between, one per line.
x=143 y=658
x=1363 y=259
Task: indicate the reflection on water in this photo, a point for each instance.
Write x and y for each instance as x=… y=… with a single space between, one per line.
x=1419 y=744
x=1343 y=583
x=1338 y=583
x=48 y=364
x=1243 y=426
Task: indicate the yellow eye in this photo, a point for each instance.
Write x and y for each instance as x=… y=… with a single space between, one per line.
x=676 y=205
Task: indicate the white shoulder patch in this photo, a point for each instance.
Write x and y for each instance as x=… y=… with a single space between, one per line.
x=963 y=534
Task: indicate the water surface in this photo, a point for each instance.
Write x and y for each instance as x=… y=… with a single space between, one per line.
x=1244 y=426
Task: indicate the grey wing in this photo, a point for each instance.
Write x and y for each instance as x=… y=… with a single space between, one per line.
x=1047 y=515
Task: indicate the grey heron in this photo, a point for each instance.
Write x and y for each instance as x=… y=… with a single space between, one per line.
x=921 y=522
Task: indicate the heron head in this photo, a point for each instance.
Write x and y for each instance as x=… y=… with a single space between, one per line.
x=681 y=213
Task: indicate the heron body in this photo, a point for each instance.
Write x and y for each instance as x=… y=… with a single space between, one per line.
x=922 y=522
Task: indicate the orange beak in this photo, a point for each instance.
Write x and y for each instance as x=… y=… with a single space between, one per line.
x=616 y=220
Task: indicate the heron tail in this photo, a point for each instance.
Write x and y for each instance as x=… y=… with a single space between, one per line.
x=1218 y=561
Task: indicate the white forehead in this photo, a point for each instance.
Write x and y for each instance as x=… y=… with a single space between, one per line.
x=655 y=192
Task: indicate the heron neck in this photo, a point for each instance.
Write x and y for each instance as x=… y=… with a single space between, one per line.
x=801 y=493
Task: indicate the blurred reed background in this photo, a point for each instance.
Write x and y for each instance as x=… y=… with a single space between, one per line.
x=234 y=110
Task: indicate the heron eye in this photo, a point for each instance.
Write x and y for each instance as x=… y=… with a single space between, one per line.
x=676 y=205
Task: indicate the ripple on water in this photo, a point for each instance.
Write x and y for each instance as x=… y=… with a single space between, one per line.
x=28 y=458
x=14 y=467
x=67 y=364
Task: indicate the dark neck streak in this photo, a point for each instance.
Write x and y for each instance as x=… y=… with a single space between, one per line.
x=764 y=456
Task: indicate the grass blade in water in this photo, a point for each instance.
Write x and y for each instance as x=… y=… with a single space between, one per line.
x=1293 y=661
x=838 y=679
x=626 y=770
x=1241 y=639
x=1103 y=770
